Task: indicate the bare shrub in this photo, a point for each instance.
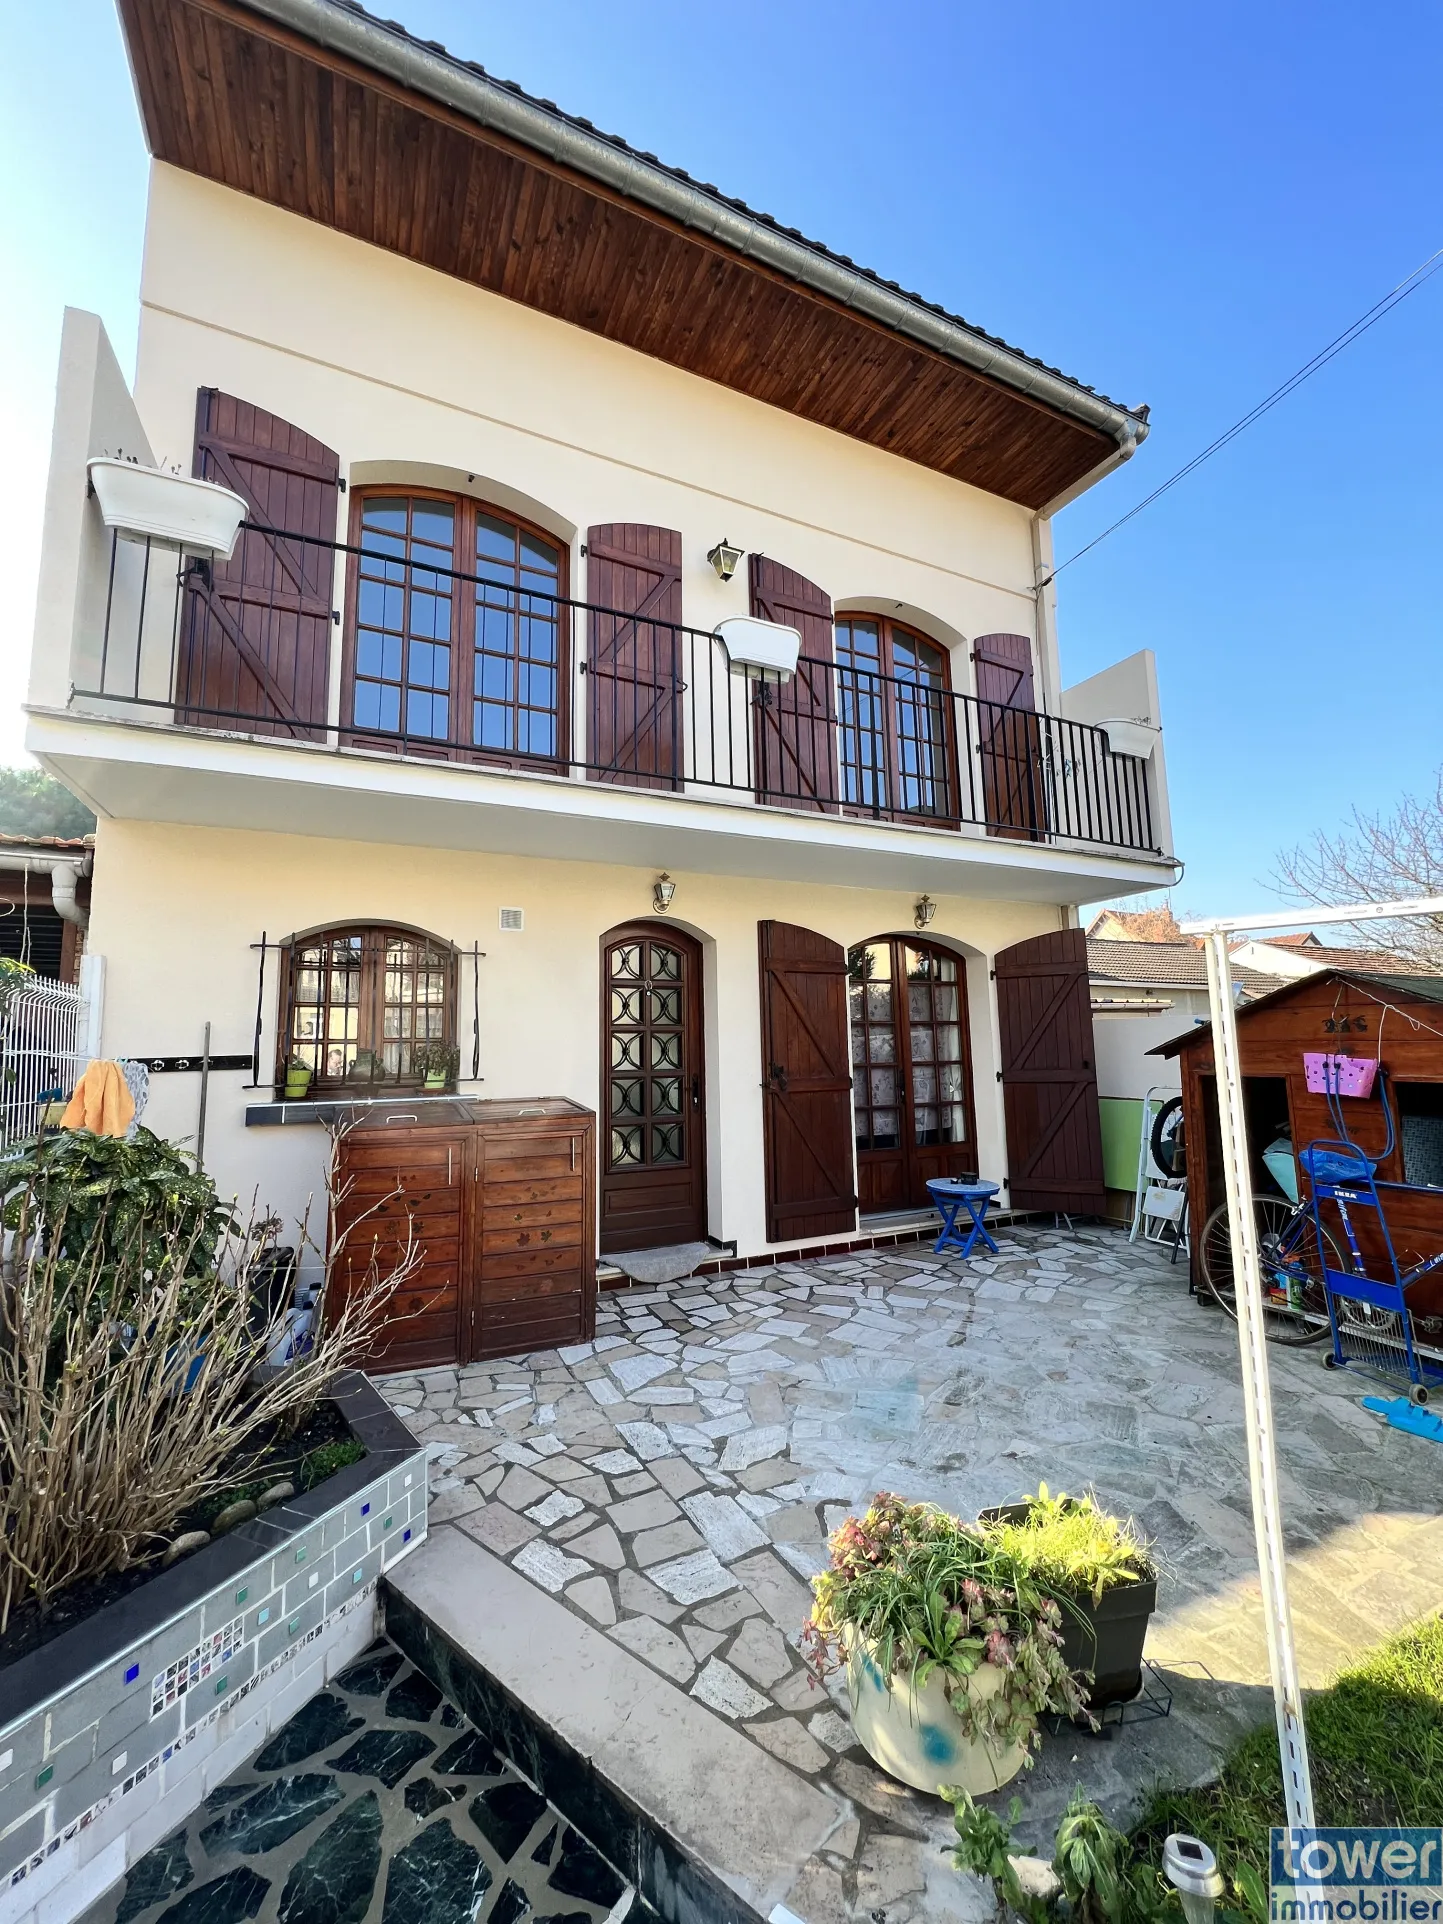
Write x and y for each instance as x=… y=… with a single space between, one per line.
x=128 y=1384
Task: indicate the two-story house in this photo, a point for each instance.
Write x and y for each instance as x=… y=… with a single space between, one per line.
x=635 y=679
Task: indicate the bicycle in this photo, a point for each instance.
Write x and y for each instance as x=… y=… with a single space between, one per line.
x=1295 y=1299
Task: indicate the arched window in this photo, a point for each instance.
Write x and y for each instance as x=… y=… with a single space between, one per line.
x=369 y=1005
x=896 y=721
x=458 y=635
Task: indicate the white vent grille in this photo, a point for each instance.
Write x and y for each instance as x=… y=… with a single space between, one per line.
x=513 y=920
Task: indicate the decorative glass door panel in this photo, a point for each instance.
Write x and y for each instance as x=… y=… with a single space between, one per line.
x=653 y=1187
x=911 y=1075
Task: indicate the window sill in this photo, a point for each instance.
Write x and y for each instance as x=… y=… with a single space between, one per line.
x=333 y=1109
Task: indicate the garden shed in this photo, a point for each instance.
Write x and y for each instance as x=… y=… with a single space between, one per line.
x=1395 y=1020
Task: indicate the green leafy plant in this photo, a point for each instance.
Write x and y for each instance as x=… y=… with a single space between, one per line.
x=1088 y=1856
x=1071 y=1545
x=924 y=1594
x=117 y=1209
x=324 y=1461
x=436 y=1059
x=984 y=1847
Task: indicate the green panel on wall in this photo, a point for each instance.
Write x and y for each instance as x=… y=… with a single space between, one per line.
x=1121 y=1133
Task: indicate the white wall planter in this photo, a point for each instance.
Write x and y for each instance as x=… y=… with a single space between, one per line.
x=916 y=1736
x=1130 y=737
x=760 y=647
x=172 y=510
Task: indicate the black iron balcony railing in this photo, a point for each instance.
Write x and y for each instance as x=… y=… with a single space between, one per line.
x=488 y=671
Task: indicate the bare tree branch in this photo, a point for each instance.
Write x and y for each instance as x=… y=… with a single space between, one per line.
x=1379 y=858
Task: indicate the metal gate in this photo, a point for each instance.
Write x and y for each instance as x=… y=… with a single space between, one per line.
x=40 y=1052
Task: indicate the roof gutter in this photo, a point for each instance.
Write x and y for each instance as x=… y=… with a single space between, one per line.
x=437 y=75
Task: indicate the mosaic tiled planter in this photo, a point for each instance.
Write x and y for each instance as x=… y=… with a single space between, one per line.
x=114 y=1732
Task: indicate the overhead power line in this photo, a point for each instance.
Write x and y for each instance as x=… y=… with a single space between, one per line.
x=1423 y=272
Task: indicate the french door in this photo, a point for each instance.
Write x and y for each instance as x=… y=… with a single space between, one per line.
x=911 y=1070
x=653 y=1151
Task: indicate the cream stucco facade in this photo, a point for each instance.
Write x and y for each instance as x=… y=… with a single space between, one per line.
x=209 y=839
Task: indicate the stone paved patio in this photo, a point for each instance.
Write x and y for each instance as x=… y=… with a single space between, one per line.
x=673 y=1483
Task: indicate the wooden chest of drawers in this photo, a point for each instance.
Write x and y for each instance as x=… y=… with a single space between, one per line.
x=501 y=1199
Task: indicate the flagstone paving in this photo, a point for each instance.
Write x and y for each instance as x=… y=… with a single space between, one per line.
x=674 y=1481
x=377 y=1800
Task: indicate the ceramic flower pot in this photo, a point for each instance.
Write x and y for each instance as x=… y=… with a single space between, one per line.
x=172 y=510
x=297 y=1085
x=916 y=1735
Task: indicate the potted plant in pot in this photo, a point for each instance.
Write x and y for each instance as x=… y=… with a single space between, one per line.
x=952 y=1652
x=298 y=1078
x=436 y=1063
x=1098 y=1569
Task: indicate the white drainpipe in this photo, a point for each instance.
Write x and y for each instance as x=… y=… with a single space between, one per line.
x=65 y=872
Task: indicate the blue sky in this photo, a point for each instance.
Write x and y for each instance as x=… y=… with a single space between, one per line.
x=1178 y=206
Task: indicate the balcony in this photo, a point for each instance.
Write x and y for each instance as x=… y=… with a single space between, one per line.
x=569 y=729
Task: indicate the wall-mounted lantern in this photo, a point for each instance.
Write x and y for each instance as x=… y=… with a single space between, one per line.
x=662 y=890
x=724 y=558
x=923 y=911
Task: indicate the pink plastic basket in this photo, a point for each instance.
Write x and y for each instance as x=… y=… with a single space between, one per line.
x=1340 y=1075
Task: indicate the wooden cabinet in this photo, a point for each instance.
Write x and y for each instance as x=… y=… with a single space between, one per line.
x=501 y=1198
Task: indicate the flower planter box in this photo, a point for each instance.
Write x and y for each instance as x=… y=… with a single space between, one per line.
x=916 y=1735
x=171 y=510
x=114 y=1731
x=1106 y=1637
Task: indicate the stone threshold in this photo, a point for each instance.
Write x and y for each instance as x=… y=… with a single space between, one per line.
x=708 y=1828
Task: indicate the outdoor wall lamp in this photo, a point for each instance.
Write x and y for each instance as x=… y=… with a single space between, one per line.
x=662 y=890
x=925 y=909
x=724 y=558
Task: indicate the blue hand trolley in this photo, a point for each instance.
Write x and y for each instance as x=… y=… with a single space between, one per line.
x=1371 y=1323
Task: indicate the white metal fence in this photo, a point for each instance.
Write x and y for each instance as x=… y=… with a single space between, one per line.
x=42 y=1049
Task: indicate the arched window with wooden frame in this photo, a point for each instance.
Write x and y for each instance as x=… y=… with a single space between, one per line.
x=896 y=721
x=458 y=641
x=369 y=1004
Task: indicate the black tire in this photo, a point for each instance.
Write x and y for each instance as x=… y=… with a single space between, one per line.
x=1284 y=1320
x=1418 y=1395
x=1169 y=1139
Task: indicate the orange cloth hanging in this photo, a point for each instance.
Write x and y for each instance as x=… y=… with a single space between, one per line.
x=102 y=1103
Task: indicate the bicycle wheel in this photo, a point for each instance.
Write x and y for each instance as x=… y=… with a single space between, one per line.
x=1295 y=1303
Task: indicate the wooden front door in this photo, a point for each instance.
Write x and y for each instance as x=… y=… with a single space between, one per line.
x=911 y=1070
x=653 y=1148
x=1049 y=1076
x=806 y=1084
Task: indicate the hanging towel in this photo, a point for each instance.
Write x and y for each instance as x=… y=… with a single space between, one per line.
x=1400 y=1414
x=101 y=1103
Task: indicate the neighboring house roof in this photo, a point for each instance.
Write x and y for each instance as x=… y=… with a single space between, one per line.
x=1422 y=988
x=478 y=179
x=1137 y=925
x=1163 y=965
x=50 y=844
x=1312 y=952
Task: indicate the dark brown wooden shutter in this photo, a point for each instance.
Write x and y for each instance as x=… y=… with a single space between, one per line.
x=634 y=657
x=1009 y=737
x=794 y=731
x=256 y=631
x=1049 y=1082
x=807 y=1084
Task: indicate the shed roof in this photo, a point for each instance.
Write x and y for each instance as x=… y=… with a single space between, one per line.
x=478 y=179
x=1418 y=988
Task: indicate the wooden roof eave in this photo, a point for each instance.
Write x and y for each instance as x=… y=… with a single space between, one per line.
x=276 y=98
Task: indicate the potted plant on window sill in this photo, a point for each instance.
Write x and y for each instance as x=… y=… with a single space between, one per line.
x=1099 y=1570
x=298 y=1079
x=437 y=1064
x=952 y=1652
